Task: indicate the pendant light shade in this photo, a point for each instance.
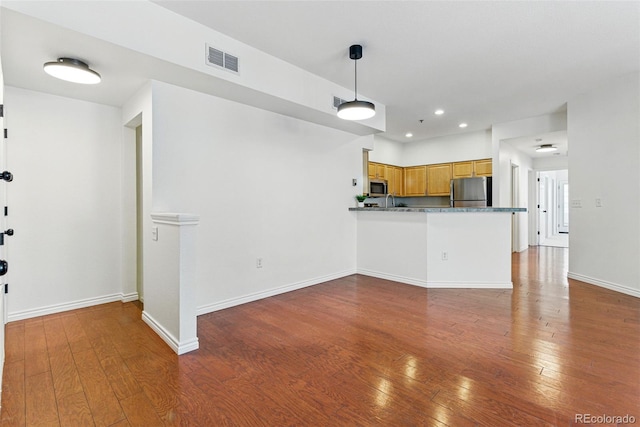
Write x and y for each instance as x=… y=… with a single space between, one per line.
x=72 y=70
x=356 y=110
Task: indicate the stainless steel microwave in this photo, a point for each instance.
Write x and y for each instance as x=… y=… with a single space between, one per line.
x=378 y=188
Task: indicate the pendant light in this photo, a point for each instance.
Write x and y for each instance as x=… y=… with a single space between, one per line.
x=356 y=110
x=72 y=70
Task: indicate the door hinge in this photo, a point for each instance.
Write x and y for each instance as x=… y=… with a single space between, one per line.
x=1 y=110
x=6 y=288
x=538 y=179
x=538 y=233
x=6 y=134
x=538 y=206
x=6 y=211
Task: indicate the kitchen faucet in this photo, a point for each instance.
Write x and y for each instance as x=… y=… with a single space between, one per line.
x=386 y=201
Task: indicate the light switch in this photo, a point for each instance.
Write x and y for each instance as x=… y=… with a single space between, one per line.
x=154 y=233
x=598 y=203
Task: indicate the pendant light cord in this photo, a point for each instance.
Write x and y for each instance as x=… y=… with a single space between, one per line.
x=355 y=63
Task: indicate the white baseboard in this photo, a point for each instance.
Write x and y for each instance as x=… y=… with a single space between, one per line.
x=178 y=347
x=604 y=284
x=232 y=302
x=437 y=285
x=1 y=372
x=469 y=285
x=72 y=305
x=132 y=296
x=393 y=277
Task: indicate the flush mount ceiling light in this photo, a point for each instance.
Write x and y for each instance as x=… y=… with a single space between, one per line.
x=72 y=70
x=438 y=112
x=546 y=148
x=462 y=125
x=356 y=110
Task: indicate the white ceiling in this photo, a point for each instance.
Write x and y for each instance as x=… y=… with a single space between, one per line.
x=482 y=62
x=528 y=144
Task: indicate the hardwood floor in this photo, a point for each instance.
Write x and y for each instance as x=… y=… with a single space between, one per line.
x=357 y=351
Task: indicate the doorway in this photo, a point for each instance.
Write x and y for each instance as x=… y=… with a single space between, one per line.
x=515 y=202
x=139 y=217
x=553 y=208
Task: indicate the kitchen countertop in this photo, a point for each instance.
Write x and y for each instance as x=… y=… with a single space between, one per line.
x=441 y=209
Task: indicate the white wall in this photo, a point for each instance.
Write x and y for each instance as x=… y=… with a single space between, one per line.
x=386 y=151
x=518 y=128
x=264 y=80
x=264 y=185
x=550 y=163
x=452 y=148
x=510 y=157
x=604 y=131
x=64 y=203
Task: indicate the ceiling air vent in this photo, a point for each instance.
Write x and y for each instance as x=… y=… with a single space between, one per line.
x=218 y=58
x=337 y=101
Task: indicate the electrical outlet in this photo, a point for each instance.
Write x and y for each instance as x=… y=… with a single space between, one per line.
x=576 y=203
x=598 y=203
x=154 y=233
x=258 y=262
x=445 y=256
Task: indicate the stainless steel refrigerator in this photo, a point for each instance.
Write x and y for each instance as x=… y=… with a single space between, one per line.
x=471 y=192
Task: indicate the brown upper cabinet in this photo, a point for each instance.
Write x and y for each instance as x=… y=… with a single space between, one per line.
x=439 y=179
x=377 y=171
x=427 y=180
x=463 y=169
x=415 y=181
x=472 y=168
x=483 y=167
x=395 y=180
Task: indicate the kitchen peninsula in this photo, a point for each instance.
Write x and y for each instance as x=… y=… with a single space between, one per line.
x=436 y=247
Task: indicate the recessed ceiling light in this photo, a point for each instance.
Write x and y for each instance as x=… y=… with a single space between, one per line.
x=438 y=112
x=72 y=70
x=546 y=148
x=408 y=134
x=462 y=125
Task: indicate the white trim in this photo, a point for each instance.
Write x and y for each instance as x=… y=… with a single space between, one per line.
x=176 y=346
x=604 y=284
x=393 y=277
x=469 y=285
x=437 y=285
x=1 y=371
x=73 y=305
x=175 y=218
x=232 y=302
x=132 y=296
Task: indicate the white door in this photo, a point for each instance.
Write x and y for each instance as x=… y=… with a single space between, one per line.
x=542 y=209
x=3 y=198
x=553 y=220
x=563 y=206
x=515 y=202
